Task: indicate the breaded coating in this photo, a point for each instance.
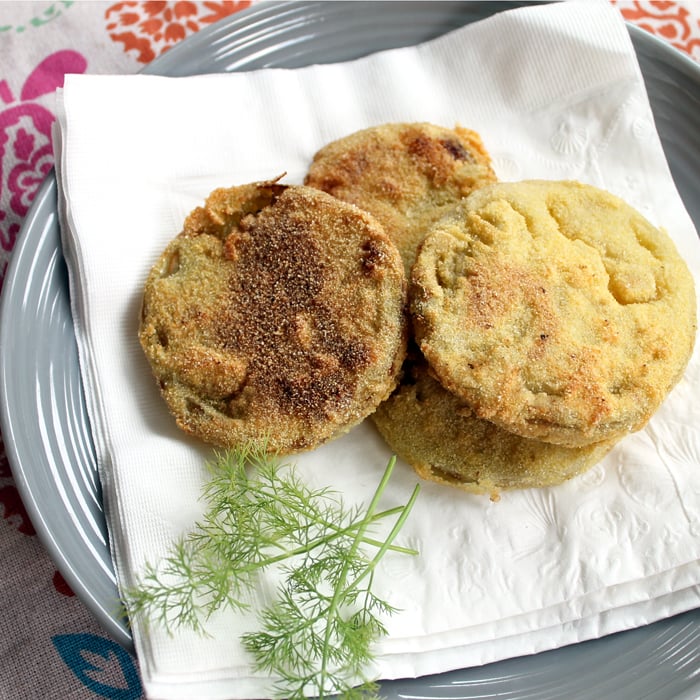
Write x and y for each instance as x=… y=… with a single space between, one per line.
x=442 y=439
x=278 y=315
x=554 y=309
x=404 y=174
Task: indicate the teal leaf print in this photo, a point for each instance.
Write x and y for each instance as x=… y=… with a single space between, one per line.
x=47 y=14
x=96 y=661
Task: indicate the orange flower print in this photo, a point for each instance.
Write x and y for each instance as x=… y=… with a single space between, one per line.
x=672 y=21
x=150 y=27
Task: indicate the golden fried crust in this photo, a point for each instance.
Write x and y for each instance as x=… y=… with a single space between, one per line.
x=554 y=309
x=403 y=174
x=442 y=439
x=277 y=314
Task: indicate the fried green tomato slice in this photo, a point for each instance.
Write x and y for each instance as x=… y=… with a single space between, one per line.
x=554 y=309
x=277 y=315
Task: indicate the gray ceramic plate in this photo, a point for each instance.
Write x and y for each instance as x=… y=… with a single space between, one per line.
x=45 y=425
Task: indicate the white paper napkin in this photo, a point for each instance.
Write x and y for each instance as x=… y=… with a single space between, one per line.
x=555 y=92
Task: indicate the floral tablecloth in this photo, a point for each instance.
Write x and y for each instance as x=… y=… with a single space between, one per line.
x=50 y=645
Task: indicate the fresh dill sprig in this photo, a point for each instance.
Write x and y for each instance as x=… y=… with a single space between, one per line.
x=316 y=637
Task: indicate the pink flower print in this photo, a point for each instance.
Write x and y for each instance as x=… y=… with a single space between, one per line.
x=32 y=167
x=26 y=150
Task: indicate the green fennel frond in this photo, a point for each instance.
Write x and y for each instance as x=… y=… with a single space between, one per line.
x=316 y=638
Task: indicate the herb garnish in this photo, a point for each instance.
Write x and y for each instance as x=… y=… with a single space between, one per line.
x=316 y=637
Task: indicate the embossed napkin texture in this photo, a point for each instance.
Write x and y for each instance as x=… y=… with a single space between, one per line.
x=555 y=92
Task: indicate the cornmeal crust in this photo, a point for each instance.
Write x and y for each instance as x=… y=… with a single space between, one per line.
x=404 y=174
x=442 y=439
x=278 y=315
x=554 y=309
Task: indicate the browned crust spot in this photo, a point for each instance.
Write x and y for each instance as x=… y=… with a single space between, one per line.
x=404 y=174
